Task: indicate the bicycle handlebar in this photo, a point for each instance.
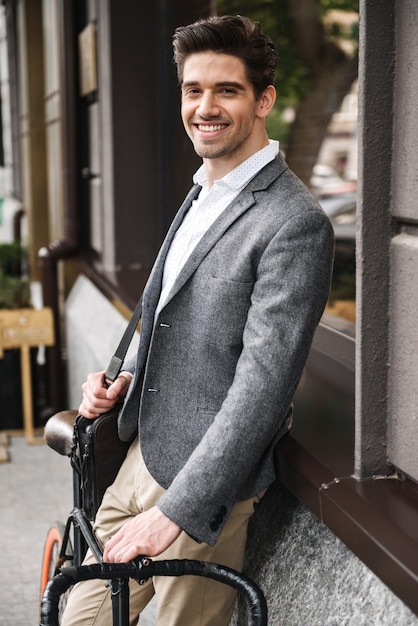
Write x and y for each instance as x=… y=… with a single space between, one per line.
x=141 y=570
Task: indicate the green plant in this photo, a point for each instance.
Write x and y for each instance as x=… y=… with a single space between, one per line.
x=14 y=286
x=12 y=258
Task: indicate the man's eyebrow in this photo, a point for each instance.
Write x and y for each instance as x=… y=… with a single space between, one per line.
x=224 y=83
x=189 y=83
x=231 y=83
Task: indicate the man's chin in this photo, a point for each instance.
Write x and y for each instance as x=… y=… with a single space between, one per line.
x=208 y=153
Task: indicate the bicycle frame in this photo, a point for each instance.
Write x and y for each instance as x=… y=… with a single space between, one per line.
x=140 y=569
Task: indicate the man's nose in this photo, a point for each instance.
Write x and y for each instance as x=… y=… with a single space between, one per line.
x=208 y=106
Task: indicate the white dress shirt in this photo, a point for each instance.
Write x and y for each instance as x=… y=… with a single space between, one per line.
x=205 y=209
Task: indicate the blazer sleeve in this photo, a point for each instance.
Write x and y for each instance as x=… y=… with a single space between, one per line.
x=288 y=298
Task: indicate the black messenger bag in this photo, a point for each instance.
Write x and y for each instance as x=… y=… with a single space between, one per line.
x=97 y=452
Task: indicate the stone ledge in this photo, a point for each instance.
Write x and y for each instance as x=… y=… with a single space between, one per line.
x=376 y=518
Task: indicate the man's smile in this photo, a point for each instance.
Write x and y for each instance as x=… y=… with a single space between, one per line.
x=210 y=128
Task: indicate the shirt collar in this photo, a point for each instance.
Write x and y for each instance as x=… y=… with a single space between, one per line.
x=242 y=174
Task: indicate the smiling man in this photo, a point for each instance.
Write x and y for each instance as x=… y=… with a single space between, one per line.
x=229 y=313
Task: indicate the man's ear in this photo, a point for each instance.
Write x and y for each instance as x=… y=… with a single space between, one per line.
x=266 y=102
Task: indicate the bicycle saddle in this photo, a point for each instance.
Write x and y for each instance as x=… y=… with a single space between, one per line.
x=58 y=431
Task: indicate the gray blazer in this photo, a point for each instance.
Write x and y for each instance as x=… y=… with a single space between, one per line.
x=214 y=378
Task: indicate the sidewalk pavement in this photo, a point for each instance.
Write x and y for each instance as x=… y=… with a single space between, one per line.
x=35 y=490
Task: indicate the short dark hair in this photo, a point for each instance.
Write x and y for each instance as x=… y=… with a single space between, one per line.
x=235 y=35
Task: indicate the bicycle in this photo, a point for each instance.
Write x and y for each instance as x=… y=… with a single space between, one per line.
x=66 y=544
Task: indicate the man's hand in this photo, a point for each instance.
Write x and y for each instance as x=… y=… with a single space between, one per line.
x=97 y=398
x=148 y=533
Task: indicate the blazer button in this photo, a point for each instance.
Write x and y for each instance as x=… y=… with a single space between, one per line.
x=214 y=525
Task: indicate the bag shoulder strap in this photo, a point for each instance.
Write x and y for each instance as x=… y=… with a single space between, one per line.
x=116 y=362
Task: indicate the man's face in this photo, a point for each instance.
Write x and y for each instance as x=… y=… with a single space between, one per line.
x=219 y=109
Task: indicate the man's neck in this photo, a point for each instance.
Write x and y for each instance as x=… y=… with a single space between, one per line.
x=218 y=168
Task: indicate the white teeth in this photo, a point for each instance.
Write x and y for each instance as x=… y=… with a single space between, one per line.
x=211 y=128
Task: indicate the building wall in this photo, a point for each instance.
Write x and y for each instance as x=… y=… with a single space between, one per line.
x=9 y=195
x=53 y=116
x=94 y=328
x=403 y=327
x=387 y=261
x=30 y=54
x=374 y=232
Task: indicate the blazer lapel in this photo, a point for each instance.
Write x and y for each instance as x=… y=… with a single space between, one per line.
x=244 y=201
x=209 y=240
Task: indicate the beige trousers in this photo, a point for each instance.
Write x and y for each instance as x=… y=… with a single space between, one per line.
x=181 y=601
